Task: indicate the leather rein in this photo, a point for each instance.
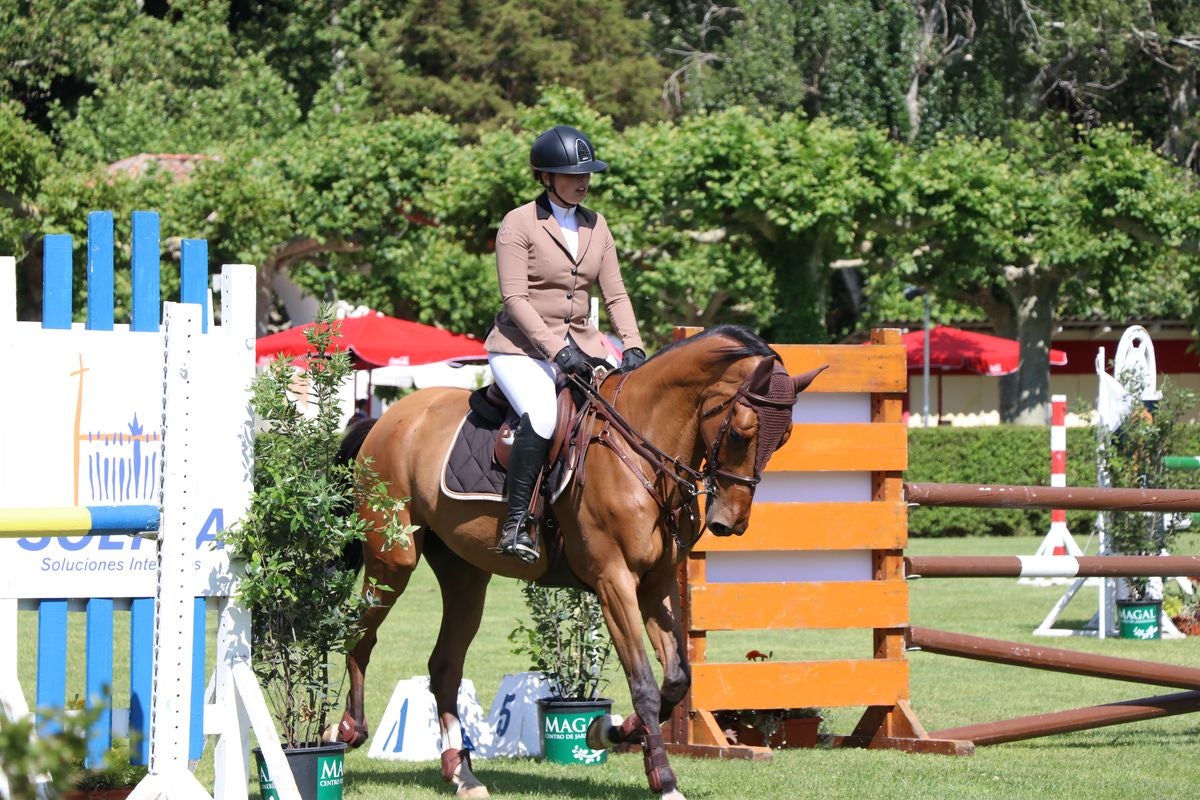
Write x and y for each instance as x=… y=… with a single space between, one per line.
x=691 y=482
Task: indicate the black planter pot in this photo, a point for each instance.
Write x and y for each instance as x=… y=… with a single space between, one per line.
x=318 y=772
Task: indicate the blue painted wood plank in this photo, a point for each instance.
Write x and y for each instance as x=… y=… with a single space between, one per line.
x=193 y=278
x=51 y=660
x=100 y=271
x=123 y=519
x=199 y=678
x=98 y=677
x=56 y=281
x=146 y=294
x=141 y=677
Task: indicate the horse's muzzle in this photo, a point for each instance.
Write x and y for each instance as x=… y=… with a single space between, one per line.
x=721 y=529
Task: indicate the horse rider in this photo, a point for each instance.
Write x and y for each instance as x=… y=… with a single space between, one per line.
x=549 y=254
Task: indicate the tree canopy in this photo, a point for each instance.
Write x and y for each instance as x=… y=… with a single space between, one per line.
x=786 y=166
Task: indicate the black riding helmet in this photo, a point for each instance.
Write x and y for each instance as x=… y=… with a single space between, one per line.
x=565 y=150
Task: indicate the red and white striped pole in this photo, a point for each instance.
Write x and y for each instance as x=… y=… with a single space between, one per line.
x=1058 y=541
x=1058 y=472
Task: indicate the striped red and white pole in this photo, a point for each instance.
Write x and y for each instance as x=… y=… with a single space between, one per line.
x=1049 y=566
x=1058 y=471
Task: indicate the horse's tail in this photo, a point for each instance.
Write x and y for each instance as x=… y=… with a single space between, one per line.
x=352 y=442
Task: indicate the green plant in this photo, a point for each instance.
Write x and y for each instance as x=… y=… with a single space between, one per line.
x=565 y=638
x=291 y=542
x=116 y=771
x=1134 y=456
x=29 y=759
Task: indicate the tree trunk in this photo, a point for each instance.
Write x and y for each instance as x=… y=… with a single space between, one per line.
x=1179 y=90
x=1034 y=294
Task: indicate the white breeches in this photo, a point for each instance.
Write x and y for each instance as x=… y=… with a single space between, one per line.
x=528 y=383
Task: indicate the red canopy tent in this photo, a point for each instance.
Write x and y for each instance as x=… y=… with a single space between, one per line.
x=955 y=351
x=377 y=340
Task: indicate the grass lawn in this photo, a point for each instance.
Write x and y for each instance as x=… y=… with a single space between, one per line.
x=1155 y=758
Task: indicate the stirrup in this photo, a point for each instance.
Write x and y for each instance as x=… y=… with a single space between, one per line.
x=518 y=543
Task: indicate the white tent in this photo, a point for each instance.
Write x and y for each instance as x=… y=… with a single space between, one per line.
x=464 y=375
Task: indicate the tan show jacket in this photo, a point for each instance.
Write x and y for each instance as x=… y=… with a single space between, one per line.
x=546 y=293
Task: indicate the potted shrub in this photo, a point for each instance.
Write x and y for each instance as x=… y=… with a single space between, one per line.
x=113 y=781
x=778 y=728
x=1134 y=456
x=566 y=640
x=304 y=606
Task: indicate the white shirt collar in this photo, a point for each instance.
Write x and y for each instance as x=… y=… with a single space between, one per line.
x=565 y=216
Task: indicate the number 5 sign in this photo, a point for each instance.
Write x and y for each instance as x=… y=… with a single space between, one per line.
x=514 y=715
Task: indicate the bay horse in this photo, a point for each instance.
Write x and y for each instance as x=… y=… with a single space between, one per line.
x=700 y=417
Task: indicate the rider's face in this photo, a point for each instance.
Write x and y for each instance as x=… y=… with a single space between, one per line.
x=571 y=188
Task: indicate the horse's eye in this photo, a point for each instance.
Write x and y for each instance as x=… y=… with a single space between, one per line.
x=737 y=437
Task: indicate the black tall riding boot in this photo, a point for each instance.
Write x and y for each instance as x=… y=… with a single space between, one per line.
x=524 y=465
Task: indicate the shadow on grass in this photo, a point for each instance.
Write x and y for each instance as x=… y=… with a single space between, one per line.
x=1129 y=735
x=505 y=778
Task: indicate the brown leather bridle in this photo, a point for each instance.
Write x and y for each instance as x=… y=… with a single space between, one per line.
x=690 y=482
x=761 y=405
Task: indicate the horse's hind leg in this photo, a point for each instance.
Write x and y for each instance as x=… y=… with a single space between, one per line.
x=391 y=569
x=464 y=588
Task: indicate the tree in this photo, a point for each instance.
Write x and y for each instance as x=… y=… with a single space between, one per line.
x=734 y=217
x=1003 y=225
x=474 y=60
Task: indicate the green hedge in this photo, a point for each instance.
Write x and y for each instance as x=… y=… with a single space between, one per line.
x=1004 y=454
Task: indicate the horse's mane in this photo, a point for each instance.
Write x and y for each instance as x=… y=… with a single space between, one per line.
x=748 y=343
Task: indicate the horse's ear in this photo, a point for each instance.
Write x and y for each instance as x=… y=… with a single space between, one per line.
x=760 y=379
x=802 y=380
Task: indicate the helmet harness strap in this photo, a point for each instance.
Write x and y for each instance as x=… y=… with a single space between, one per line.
x=552 y=190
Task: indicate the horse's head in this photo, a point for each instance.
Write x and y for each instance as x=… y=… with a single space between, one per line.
x=740 y=433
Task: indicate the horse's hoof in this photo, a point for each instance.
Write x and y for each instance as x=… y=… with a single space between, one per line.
x=456 y=770
x=674 y=794
x=347 y=731
x=603 y=731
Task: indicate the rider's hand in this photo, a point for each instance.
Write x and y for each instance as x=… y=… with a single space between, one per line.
x=632 y=358
x=572 y=361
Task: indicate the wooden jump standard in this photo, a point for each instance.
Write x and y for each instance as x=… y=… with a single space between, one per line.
x=850 y=440
x=869 y=450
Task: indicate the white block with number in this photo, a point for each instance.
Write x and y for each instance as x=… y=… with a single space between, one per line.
x=409 y=729
x=514 y=715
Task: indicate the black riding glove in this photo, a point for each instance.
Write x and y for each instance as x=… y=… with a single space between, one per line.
x=632 y=358
x=572 y=361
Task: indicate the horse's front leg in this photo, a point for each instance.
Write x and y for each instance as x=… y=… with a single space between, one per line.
x=659 y=601
x=660 y=609
x=619 y=599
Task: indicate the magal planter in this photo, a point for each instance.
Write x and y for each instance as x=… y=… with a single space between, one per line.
x=564 y=725
x=318 y=771
x=1140 y=619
